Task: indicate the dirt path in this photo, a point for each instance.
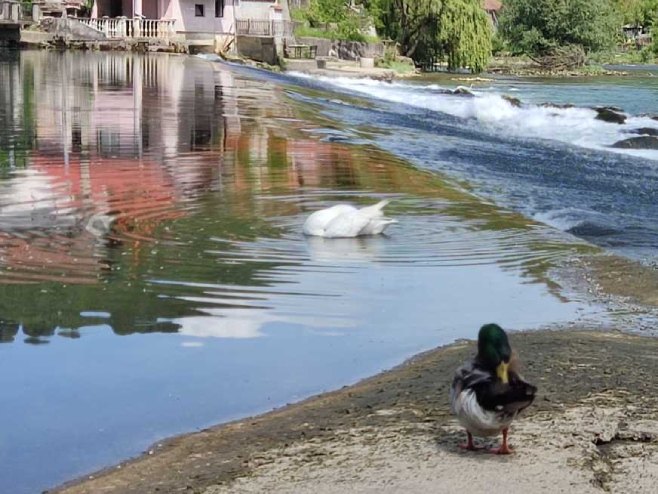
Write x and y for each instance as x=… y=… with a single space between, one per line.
x=594 y=428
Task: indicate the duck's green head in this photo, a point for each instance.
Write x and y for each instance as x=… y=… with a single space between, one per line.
x=494 y=350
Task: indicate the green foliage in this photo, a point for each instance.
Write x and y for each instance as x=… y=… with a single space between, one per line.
x=334 y=19
x=298 y=15
x=457 y=31
x=465 y=34
x=646 y=54
x=305 y=31
x=538 y=27
x=638 y=12
x=498 y=44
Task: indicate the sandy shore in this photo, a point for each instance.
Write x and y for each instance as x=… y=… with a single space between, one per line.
x=593 y=428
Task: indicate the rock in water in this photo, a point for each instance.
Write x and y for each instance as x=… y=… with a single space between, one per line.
x=610 y=114
x=515 y=102
x=645 y=131
x=642 y=142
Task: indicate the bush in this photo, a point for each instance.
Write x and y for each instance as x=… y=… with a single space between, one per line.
x=331 y=19
x=646 y=54
x=538 y=27
x=498 y=44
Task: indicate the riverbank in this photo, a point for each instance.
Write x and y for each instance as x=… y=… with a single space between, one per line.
x=592 y=428
x=522 y=66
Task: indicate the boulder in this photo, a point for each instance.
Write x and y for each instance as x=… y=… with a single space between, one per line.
x=461 y=91
x=645 y=131
x=610 y=114
x=515 y=102
x=642 y=142
x=558 y=106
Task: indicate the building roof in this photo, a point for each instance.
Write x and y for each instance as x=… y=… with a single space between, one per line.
x=492 y=5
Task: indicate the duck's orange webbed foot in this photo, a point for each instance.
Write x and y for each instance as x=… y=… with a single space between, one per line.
x=470 y=445
x=504 y=448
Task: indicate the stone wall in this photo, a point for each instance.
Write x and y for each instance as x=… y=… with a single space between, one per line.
x=259 y=48
x=70 y=29
x=344 y=50
x=35 y=37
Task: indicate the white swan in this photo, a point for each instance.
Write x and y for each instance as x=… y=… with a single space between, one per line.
x=344 y=220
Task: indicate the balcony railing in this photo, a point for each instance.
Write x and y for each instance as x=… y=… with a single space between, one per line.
x=252 y=27
x=120 y=27
x=10 y=11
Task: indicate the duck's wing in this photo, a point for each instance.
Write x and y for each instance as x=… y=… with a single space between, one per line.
x=316 y=224
x=377 y=222
x=491 y=393
x=377 y=225
x=467 y=377
x=507 y=398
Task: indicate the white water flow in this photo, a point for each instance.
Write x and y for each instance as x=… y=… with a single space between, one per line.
x=577 y=126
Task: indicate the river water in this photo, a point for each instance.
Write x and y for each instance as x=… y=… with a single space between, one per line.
x=153 y=275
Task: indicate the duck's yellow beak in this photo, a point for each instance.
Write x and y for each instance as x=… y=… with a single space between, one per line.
x=501 y=372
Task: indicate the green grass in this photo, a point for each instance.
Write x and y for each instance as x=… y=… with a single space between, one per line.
x=397 y=66
x=305 y=31
x=313 y=32
x=298 y=15
x=631 y=56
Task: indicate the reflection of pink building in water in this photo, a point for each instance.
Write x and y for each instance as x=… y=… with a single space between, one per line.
x=126 y=142
x=80 y=201
x=112 y=159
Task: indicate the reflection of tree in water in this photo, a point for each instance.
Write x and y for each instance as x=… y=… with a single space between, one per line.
x=8 y=331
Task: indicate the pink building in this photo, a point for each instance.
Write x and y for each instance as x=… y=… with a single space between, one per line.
x=195 y=19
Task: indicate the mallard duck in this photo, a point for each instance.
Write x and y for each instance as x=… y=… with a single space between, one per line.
x=487 y=392
x=344 y=220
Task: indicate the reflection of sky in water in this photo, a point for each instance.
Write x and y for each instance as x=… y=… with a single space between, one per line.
x=385 y=299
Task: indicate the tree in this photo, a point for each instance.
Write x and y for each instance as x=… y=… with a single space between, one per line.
x=540 y=27
x=455 y=30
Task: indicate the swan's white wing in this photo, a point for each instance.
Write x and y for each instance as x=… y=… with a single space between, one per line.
x=317 y=222
x=377 y=222
x=377 y=225
x=349 y=224
x=376 y=210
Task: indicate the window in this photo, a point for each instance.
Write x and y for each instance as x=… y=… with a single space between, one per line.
x=219 y=8
x=199 y=10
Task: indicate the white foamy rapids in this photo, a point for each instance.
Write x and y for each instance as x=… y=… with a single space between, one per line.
x=577 y=126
